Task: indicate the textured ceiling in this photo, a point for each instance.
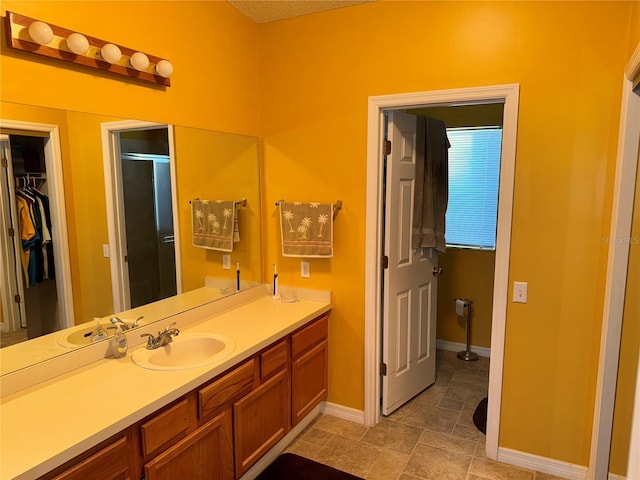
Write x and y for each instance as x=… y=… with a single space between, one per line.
x=264 y=11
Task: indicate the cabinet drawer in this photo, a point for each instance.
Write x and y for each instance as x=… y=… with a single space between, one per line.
x=112 y=462
x=274 y=359
x=309 y=335
x=169 y=426
x=226 y=389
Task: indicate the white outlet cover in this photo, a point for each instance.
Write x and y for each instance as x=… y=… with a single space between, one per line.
x=520 y=291
x=305 y=270
x=226 y=262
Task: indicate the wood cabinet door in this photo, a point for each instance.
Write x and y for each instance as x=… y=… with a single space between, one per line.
x=205 y=454
x=309 y=381
x=109 y=463
x=261 y=419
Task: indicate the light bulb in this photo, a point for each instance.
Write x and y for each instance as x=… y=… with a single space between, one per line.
x=110 y=53
x=139 y=61
x=40 y=32
x=164 y=68
x=78 y=43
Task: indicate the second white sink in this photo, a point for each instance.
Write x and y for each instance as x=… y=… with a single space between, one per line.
x=189 y=350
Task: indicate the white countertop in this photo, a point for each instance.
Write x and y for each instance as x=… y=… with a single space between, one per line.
x=45 y=425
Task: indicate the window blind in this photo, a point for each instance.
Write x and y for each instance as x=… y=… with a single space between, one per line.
x=474 y=177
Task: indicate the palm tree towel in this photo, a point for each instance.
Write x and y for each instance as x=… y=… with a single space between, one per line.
x=212 y=223
x=306 y=229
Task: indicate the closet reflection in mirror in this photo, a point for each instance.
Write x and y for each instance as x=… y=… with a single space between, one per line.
x=208 y=165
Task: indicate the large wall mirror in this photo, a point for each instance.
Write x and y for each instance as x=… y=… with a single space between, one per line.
x=207 y=165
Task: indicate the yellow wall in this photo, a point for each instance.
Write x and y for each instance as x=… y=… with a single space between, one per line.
x=217 y=92
x=634 y=36
x=467 y=274
x=316 y=74
x=309 y=102
x=233 y=158
x=211 y=45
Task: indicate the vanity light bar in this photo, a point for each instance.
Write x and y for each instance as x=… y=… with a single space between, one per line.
x=34 y=36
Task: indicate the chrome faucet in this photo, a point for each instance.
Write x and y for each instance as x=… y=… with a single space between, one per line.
x=126 y=326
x=164 y=337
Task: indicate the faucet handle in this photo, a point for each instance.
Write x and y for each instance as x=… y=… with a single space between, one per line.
x=150 y=340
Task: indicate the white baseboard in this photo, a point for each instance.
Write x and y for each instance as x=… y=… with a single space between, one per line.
x=542 y=464
x=558 y=468
x=340 y=411
x=460 y=347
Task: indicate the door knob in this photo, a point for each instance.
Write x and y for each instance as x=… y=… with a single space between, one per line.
x=437 y=271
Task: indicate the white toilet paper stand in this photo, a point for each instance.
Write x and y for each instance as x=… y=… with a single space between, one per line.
x=467 y=355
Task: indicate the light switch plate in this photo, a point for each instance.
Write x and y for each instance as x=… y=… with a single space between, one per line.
x=520 y=292
x=305 y=270
x=105 y=250
x=226 y=262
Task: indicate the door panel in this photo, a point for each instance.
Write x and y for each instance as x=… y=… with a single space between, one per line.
x=410 y=288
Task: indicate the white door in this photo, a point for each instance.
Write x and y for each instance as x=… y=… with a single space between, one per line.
x=13 y=308
x=409 y=285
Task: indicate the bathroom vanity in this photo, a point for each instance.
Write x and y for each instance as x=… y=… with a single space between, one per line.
x=113 y=419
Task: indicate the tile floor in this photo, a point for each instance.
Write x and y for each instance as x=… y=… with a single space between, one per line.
x=432 y=437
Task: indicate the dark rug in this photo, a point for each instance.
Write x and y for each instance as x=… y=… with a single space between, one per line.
x=289 y=466
x=480 y=415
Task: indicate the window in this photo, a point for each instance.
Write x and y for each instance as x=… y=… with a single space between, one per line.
x=474 y=176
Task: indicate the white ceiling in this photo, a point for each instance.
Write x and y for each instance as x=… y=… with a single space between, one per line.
x=264 y=11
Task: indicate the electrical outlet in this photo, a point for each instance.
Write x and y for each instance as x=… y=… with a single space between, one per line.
x=105 y=251
x=226 y=262
x=520 y=292
x=304 y=270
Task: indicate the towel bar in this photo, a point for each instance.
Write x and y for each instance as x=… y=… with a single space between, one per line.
x=242 y=202
x=336 y=206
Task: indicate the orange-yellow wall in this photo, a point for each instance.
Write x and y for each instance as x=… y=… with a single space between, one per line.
x=212 y=46
x=634 y=35
x=316 y=74
x=217 y=166
x=467 y=274
x=302 y=84
x=216 y=92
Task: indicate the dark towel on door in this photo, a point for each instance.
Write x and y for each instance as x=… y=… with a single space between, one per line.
x=289 y=466
x=432 y=184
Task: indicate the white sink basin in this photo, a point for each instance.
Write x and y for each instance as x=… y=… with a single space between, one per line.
x=81 y=335
x=187 y=350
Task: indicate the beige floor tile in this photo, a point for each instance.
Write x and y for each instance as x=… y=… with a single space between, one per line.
x=466 y=432
x=433 y=463
x=340 y=427
x=316 y=436
x=471 y=476
x=393 y=436
x=388 y=466
x=305 y=449
x=451 y=404
x=481 y=448
x=466 y=392
x=349 y=455
x=431 y=395
x=447 y=442
x=485 y=468
x=475 y=379
x=431 y=417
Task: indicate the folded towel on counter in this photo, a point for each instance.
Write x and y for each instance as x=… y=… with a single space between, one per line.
x=306 y=229
x=214 y=224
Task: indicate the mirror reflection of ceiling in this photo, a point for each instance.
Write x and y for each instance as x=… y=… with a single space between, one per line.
x=265 y=11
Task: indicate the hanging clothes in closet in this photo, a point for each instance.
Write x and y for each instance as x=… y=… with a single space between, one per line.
x=34 y=226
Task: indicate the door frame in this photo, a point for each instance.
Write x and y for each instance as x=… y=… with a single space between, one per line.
x=509 y=95
x=115 y=205
x=55 y=191
x=616 y=281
